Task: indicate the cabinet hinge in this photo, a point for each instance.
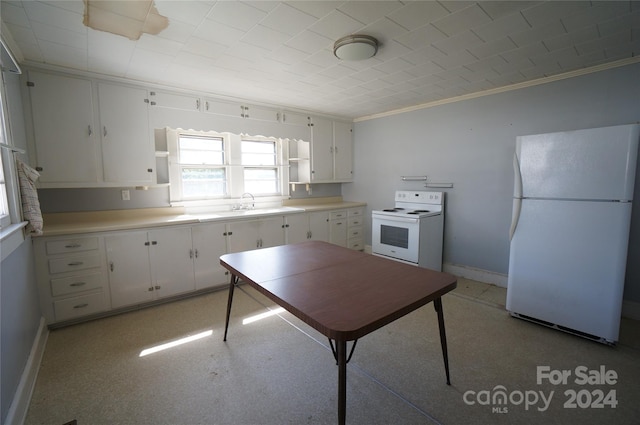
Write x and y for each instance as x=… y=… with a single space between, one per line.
x=31 y=84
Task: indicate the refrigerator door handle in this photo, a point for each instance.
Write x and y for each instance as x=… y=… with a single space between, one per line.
x=515 y=217
x=517 y=196
x=517 y=181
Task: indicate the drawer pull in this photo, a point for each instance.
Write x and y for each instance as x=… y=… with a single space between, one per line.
x=81 y=305
x=76 y=284
x=75 y=263
x=73 y=245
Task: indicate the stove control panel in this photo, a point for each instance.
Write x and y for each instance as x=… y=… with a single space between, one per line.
x=420 y=197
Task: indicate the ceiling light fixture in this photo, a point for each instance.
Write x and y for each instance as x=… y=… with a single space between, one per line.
x=355 y=47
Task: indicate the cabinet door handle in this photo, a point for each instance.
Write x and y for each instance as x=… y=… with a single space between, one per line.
x=191 y=253
x=73 y=245
x=206 y=105
x=104 y=131
x=76 y=284
x=150 y=289
x=111 y=265
x=90 y=130
x=75 y=263
x=197 y=103
x=81 y=305
x=157 y=287
x=196 y=253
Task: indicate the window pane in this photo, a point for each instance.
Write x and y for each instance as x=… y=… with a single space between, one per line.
x=203 y=182
x=261 y=180
x=258 y=152
x=201 y=150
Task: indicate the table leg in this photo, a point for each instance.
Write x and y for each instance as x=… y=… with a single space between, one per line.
x=232 y=285
x=341 y=349
x=437 y=304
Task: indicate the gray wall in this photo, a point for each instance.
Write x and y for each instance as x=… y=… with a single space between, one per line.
x=19 y=319
x=19 y=307
x=471 y=144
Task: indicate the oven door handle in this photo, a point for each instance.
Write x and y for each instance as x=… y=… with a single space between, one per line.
x=396 y=219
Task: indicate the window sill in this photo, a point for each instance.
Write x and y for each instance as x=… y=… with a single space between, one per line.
x=10 y=238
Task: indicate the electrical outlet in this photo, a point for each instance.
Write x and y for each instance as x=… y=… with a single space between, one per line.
x=126 y=195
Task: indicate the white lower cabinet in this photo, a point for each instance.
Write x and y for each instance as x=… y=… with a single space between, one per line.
x=149 y=265
x=209 y=243
x=253 y=234
x=81 y=276
x=72 y=277
x=308 y=226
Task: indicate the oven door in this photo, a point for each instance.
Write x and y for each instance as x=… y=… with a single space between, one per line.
x=395 y=237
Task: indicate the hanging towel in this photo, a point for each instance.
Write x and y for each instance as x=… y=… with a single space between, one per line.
x=27 y=177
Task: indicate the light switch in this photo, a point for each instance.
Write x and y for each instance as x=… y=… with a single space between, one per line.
x=126 y=195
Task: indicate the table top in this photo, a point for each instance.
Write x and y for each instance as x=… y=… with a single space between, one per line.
x=342 y=293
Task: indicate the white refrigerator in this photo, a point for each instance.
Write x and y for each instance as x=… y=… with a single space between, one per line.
x=573 y=193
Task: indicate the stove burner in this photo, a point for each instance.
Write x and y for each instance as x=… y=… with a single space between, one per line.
x=397 y=209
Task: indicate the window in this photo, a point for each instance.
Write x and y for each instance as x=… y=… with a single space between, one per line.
x=259 y=159
x=202 y=170
x=5 y=218
x=216 y=168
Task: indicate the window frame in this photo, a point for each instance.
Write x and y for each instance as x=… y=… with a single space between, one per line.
x=232 y=145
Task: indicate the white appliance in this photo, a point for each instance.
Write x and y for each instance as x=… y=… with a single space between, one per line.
x=570 y=229
x=411 y=231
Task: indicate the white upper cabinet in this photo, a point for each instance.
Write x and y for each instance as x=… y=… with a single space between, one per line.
x=64 y=128
x=321 y=150
x=331 y=153
x=223 y=107
x=88 y=134
x=128 y=155
x=295 y=125
x=342 y=151
x=169 y=100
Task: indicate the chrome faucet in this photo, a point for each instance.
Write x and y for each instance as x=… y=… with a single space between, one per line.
x=244 y=206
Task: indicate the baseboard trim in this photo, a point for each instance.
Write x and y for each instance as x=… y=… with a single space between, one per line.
x=20 y=405
x=479 y=275
x=631 y=309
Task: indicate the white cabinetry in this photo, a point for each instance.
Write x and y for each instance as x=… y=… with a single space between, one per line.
x=345 y=228
x=64 y=128
x=71 y=275
x=127 y=150
x=144 y=266
x=209 y=243
x=252 y=234
x=327 y=158
x=308 y=226
x=184 y=102
x=89 y=134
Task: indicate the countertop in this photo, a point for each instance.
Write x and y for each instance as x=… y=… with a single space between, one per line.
x=56 y=224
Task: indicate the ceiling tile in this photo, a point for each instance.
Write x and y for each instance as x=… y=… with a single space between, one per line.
x=54 y=16
x=335 y=25
x=367 y=12
x=485 y=50
x=534 y=35
x=218 y=33
x=418 y=13
x=460 y=41
x=563 y=41
x=189 y=12
x=462 y=20
x=287 y=19
x=13 y=14
x=309 y=42
x=549 y=11
x=236 y=14
x=502 y=27
x=421 y=37
x=264 y=37
x=61 y=36
x=199 y=46
x=502 y=9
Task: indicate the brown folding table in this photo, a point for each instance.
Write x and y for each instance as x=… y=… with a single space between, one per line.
x=342 y=293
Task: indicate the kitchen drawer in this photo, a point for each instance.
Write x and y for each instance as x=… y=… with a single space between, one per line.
x=353 y=212
x=74 y=284
x=355 y=221
x=71 y=308
x=355 y=232
x=338 y=229
x=336 y=215
x=356 y=244
x=71 y=245
x=74 y=262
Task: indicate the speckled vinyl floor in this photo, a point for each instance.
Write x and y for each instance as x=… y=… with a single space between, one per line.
x=277 y=370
